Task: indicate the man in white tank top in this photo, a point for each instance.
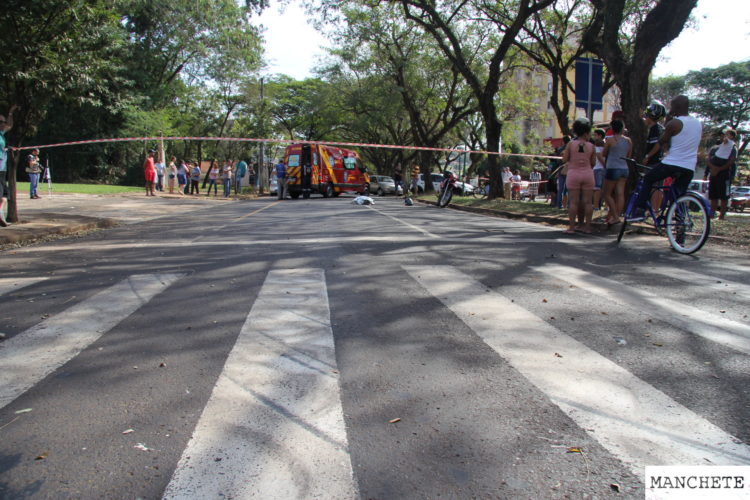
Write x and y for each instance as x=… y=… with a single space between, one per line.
x=682 y=136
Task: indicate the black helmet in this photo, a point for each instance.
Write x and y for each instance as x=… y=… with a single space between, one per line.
x=656 y=111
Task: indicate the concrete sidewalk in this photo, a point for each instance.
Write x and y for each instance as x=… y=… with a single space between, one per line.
x=59 y=215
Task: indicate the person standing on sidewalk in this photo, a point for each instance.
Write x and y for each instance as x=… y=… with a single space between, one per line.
x=34 y=169
x=5 y=125
x=562 y=175
x=195 y=179
x=172 y=174
x=415 y=180
x=507 y=181
x=149 y=172
x=281 y=180
x=535 y=178
x=160 y=168
x=616 y=147
x=213 y=174
x=239 y=174
x=721 y=159
x=226 y=178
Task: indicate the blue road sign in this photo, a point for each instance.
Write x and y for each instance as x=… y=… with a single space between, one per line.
x=589 y=84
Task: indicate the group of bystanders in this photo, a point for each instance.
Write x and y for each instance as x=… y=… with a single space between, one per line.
x=186 y=175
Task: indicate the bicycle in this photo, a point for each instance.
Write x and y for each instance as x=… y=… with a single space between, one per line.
x=684 y=217
x=482 y=190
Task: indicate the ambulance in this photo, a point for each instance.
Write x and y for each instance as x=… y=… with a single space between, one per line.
x=326 y=170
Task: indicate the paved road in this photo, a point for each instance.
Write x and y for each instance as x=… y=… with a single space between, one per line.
x=318 y=349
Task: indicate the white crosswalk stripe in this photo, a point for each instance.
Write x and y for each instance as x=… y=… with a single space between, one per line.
x=707 y=325
x=8 y=285
x=706 y=282
x=273 y=427
x=634 y=421
x=28 y=357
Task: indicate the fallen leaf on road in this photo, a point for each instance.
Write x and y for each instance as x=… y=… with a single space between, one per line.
x=575 y=450
x=393 y=421
x=128 y=431
x=604 y=313
x=25 y=410
x=558 y=355
x=544 y=300
x=162 y=365
x=142 y=447
x=615 y=487
x=723 y=311
x=42 y=456
x=658 y=344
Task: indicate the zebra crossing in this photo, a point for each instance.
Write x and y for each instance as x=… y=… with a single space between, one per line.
x=274 y=426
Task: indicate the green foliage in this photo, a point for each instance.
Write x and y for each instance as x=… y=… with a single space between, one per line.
x=722 y=95
x=665 y=88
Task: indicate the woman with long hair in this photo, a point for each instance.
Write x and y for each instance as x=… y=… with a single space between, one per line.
x=617 y=147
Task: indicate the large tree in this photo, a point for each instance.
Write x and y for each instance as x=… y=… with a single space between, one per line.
x=376 y=41
x=628 y=36
x=53 y=49
x=476 y=37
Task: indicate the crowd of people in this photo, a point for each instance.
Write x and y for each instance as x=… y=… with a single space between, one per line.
x=593 y=172
x=184 y=177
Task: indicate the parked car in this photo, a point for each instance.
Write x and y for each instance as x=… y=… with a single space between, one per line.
x=463 y=188
x=435 y=178
x=740 y=198
x=382 y=185
x=700 y=186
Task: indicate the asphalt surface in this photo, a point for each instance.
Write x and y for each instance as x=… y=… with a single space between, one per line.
x=432 y=407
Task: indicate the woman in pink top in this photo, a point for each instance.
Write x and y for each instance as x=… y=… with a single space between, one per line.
x=580 y=156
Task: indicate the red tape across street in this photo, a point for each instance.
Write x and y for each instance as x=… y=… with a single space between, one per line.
x=279 y=141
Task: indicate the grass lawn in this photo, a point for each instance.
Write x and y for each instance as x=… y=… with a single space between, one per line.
x=23 y=187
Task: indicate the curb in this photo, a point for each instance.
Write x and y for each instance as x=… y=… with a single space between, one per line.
x=638 y=228
x=40 y=226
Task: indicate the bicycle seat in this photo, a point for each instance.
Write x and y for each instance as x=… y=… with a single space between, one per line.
x=641 y=169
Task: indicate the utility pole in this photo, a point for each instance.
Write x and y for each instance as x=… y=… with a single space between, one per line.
x=262 y=174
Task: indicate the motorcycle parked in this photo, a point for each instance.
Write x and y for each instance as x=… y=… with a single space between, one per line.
x=446 y=189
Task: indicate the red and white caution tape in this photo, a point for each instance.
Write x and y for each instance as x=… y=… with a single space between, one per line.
x=278 y=141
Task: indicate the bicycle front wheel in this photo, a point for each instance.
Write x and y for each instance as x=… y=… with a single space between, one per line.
x=688 y=224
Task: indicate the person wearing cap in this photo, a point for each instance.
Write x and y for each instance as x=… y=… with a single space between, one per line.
x=682 y=134
x=651 y=117
x=34 y=169
x=149 y=172
x=721 y=160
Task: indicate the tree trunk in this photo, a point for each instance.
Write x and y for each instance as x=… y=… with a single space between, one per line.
x=632 y=100
x=12 y=168
x=426 y=160
x=493 y=128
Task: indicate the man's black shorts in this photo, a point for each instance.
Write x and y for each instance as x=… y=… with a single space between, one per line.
x=719 y=186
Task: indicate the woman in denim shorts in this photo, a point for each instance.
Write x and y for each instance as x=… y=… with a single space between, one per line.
x=616 y=171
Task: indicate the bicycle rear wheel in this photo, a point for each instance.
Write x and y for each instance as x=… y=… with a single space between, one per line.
x=688 y=224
